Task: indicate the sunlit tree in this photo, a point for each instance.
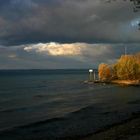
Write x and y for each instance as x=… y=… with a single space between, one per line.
x=137 y=57
x=136 y=6
x=104 y=72
x=127 y=67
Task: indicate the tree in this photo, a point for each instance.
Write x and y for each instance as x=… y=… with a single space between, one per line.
x=137 y=57
x=104 y=72
x=126 y=68
x=123 y=68
x=136 y=6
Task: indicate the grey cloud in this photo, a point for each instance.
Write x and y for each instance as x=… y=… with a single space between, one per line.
x=90 y=55
x=93 y=22
x=33 y=21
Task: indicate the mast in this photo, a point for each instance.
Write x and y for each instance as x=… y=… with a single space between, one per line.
x=125 y=47
x=94 y=76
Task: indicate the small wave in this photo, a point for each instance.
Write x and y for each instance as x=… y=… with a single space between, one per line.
x=38 y=96
x=30 y=125
x=35 y=124
x=84 y=109
x=134 y=102
x=13 y=110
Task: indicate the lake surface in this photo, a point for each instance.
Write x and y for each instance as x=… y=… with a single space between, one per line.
x=28 y=97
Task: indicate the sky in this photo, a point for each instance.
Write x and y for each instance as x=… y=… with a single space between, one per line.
x=59 y=34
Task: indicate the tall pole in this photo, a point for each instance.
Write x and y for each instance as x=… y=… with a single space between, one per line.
x=125 y=50
x=94 y=76
x=90 y=75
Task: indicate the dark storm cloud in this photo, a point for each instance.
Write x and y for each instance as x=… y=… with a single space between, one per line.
x=33 y=21
x=27 y=28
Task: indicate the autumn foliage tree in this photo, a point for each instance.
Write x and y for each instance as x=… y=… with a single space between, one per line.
x=126 y=68
x=104 y=71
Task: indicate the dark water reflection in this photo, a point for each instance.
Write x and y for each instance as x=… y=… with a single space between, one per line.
x=33 y=97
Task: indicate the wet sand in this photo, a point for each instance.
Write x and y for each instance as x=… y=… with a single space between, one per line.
x=127 y=130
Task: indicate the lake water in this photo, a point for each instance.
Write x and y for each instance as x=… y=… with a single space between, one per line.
x=33 y=96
